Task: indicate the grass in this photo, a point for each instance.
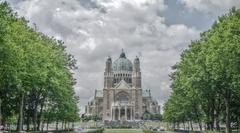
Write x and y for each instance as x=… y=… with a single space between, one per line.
x=123 y=131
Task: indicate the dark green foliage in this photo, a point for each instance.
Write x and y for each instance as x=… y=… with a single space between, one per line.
x=150 y=116
x=205 y=82
x=90 y=117
x=96 y=131
x=36 y=83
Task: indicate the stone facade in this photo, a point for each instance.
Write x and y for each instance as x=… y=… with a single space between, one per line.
x=122 y=97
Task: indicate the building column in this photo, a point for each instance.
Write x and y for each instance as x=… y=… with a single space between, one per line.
x=114 y=112
x=111 y=112
x=133 y=113
x=130 y=113
x=125 y=112
x=119 y=113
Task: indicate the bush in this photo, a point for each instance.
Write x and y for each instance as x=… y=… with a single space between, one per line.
x=96 y=131
x=91 y=117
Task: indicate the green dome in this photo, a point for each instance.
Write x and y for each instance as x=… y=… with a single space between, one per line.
x=122 y=64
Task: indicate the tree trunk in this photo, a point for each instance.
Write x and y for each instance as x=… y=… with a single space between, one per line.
x=208 y=117
x=62 y=124
x=28 y=122
x=191 y=125
x=57 y=125
x=8 y=126
x=228 y=121
x=68 y=126
x=35 y=113
x=217 y=123
x=238 y=123
x=0 y=111
x=65 y=125
x=212 y=125
x=184 y=127
x=40 y=116
x=48 y=120
x=47 y=125
x=20 y=124
x=200 y=126
x=212 y=119
x=198 y=119
x=35 y=118
x=208 y=126
x=17 y=128
x=42 y=126
x=212 y=113
x=217 y=115
x=73 y=125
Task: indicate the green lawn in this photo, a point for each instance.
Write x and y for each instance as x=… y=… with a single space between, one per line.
x=123 y=131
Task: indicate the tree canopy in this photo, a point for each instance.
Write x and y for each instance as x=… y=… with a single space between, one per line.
x=36 y=83
x=205 y=82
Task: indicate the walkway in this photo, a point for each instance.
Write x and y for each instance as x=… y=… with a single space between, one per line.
x=123 y=131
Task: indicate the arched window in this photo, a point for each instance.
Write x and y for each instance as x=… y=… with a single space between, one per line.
x=122 y=97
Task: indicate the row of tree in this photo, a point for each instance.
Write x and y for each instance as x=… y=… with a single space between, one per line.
x=36 y=83
x=206 y=81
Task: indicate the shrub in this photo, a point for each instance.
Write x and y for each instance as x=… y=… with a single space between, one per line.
x=96 y=131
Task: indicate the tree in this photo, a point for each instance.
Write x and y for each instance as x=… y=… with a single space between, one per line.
x=207 y=75
x=35 y=74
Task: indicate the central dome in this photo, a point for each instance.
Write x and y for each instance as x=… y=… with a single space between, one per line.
x=122 y=63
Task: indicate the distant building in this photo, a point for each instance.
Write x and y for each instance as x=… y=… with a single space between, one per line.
x=122 y=97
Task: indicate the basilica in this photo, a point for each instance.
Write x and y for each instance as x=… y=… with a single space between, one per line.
x=122 y=97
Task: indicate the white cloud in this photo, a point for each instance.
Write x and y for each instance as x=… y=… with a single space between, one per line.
x=94 y=29
x=136 y=3
x=89 y=44
x=215 y=7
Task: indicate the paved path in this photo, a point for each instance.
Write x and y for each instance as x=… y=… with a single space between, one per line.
x=123 y=131
x=118 y=131
x=129 y=131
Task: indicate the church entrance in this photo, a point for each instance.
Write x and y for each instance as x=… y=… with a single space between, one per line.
x=128 y=114
x=116 y=114
x=122 y=113
x=122 y=109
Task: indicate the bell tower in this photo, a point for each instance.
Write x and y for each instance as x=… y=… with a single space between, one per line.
x=136 y=75
x=108 y=74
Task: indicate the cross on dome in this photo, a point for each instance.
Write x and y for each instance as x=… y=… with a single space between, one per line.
x=123 y=55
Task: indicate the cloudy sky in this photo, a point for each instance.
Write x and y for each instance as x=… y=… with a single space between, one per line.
x=156 y=30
